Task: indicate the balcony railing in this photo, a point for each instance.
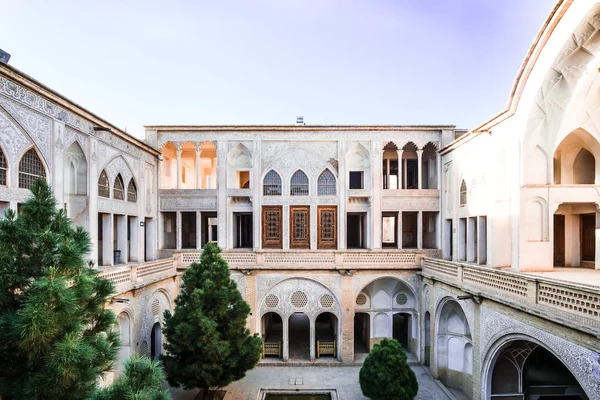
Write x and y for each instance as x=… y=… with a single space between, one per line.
x=551 y=299
x=134 y=276
x=311 y=259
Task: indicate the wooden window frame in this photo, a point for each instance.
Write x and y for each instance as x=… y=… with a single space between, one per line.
x=268 y=243
x=296 y=243
x=329 y=244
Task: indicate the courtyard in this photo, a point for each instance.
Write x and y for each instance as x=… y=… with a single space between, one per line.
x=344 y=379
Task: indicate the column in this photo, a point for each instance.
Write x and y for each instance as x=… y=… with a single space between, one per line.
x=178 y=149
x=420 y=167
x=399 y=228
x=222 y=194
x=93 y=199
x=376 y=165
x=438 y=164
x=420 y=230
x=250 y=298
x=133 y=239
x=198 y=180
x=178 y=230
x=198 y=230
x=342 y=190
x=347 y=322
x=121 y=221
x=405 y=176
x=312 y=340
x=107 y=239
x=286 y=336
x=400 y=168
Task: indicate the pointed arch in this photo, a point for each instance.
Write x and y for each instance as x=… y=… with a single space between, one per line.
x=299 y=184
x=103 y=185
x=119 y=188
x=30 y=168
x=132 y=191
x=326 y=184
x=3 y=169
x=463 y=193
x=272 y=184
x=584 y=168
x=75 y=169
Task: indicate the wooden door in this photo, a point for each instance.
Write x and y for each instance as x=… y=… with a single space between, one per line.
x=588 y=237
x=299 y=227
x=271 y=227
x=327 y=227
x=559 y=240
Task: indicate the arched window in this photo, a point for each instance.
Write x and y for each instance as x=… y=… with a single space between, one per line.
x=326 y=184
x=299 y=184
x=103 y=185
x=30 y=169
x=463 y=193
x=132 y=192
x=3 y=169
x=272 y=184
x=118 y=191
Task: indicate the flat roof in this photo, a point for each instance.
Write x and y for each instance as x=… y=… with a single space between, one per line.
x=229 y=128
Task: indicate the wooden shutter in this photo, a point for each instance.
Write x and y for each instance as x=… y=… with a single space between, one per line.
x=327 y=232
x=271 y=227
x=299 y=227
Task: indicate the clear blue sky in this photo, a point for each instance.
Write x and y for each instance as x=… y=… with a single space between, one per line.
x=181 y=62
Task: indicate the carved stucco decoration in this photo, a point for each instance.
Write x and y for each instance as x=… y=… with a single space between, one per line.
x=426 y=297
x=270 y=151
x=188 y=203
x=448 y=189
x=116 y=166
x=497 y=329
x=361 y=281
x=148 y=318
x=292 y=160
x=112 y=206
x=12 y=140
x=300 y=200
x=313 y=290
x=410 y=204
x=264 y=283
x=14 y=194
x=240 y=281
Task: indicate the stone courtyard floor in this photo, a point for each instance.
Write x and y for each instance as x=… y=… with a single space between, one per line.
x=342 y=378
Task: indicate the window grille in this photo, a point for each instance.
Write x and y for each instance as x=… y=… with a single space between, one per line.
x=118 y=192
x=103 y=185
x=3 y=169
x=463 y=193
x=326 y=184
x=30 y=169
x=132 y=192
x=299 y=184
x=272 y=184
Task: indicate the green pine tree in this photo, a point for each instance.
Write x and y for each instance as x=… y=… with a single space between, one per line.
x=142 y=379
x=208 y=345
x=56 y=337
x=385 y=375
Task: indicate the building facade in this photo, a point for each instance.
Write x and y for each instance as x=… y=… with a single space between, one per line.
x=478 y=250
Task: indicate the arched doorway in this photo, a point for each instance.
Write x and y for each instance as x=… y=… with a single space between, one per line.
x=525 y=370
x=454 y=349
x=326 y=335
x=426 y=338
x=299 y=336
x=400 y=328
x=272 y=334
x=156 y=341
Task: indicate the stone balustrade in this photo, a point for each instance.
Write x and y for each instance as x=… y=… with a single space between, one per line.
x=130 y=277
x=573 y=304
x=315 y=259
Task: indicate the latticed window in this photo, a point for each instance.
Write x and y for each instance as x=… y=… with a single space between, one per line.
x=30 y=169
x=103 y=185
x=299 y=184
x=3 y=169
x=271 y=227
x=118 y=191
x=327 y=228
x=463 y=193
x=272 y=184
x=132 y=192
x=326 y=184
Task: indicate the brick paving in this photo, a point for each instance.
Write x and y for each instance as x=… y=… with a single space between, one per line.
x=342 y=378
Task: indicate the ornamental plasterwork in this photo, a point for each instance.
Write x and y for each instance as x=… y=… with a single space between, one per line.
x=37 y=126
x=426 y=297
x=117 y=166
x=410 y=204
x=112 y=206
x=12 y=140
x=125 y=146
x=148 y=319
x=299 y=200
x=240 y=281
x=14 y=194
x=270 y=151
x=187 y=192
x=313 y=291
x=289 y=162
x=188 y=203
x=232 y=144
x=265 y=282
x=582 y=362
x=361 y=281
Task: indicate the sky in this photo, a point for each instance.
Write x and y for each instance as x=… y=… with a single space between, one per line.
x=184 y=62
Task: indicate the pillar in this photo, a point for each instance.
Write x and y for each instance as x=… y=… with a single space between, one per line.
x=342 y=190
x=121 y=221
x=376 y=166
x=405 y=175
x=250 y=286
x=420 y=167
x=133 y=239
x=285 y=320
x=438 y=166
x=347 y=322
x=198 y=230
x=420 y=230
x=222 y=194
x=400 y=168
x=312 y=335
x=93 y=199
x=198 y=180
x=399 y=228
x=107 y=239
x=178 y=230
x=178 y=150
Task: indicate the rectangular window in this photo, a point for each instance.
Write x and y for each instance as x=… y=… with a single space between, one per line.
x=188 y=230
x=327 y=228
x=271 y=227
x=409 y=229
x=243 y=178
x=356 y=180
x=243 y=230
x=300 y=227
x=430 y=230
x=209 y=227
x=356 y=230
x=169 y=229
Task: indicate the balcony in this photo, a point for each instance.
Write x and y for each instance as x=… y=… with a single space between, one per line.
x=131 y=277
x=315 y=259
x=565 y=302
